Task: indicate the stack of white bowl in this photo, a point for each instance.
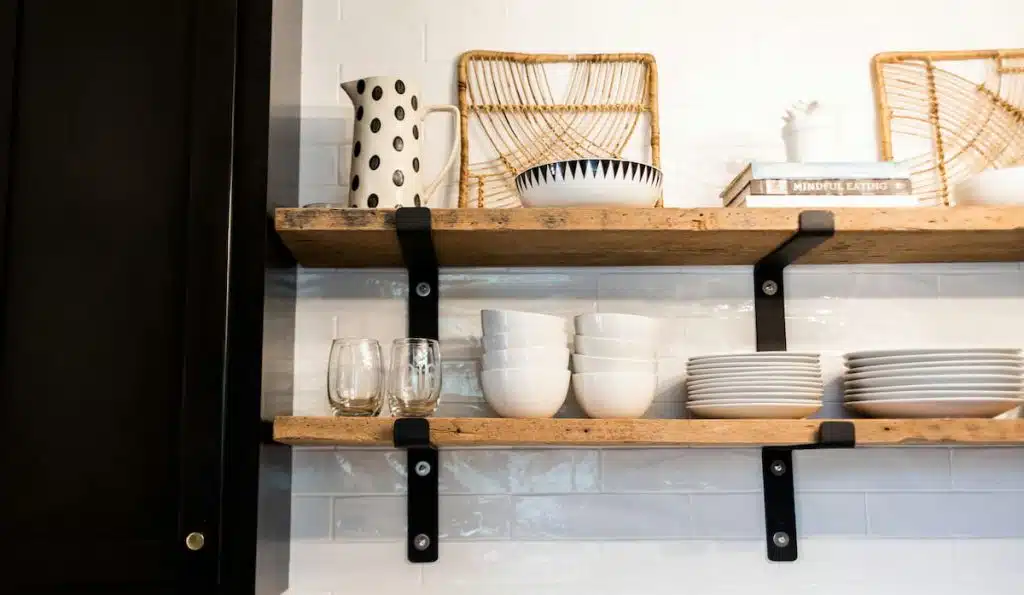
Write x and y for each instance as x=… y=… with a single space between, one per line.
x=765 y=385
x=525 y=367
x=614 y=364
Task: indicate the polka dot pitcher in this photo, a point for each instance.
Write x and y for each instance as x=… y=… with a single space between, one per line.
x=387 y=144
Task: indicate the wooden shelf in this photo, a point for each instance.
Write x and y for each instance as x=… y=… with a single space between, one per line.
x=351 y=431
x=639 y=237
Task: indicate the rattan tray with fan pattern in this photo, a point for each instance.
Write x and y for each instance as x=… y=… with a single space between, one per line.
x=949 y=115
x=513 y=121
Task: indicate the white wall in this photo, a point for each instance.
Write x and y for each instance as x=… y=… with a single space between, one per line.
x=609 y=521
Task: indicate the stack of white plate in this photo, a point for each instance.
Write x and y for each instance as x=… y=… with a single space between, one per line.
x=963 y=382
x=525 y=367
x=616 y=372
x=765 y=385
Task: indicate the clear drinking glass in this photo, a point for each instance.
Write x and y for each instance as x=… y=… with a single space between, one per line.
x=414 y=377
x=355 y=377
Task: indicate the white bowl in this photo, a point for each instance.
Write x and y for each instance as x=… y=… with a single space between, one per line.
x=630 y=327
x=525 y=392
x=615 y=394
x=992 y=187
x=527 y=357
x=590 y=183
x=589 y=363
x=517 y=340
x=513 y=321
x=604 y=347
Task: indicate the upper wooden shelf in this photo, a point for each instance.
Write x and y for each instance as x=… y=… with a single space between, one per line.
x=354 y=431
x=641 y=237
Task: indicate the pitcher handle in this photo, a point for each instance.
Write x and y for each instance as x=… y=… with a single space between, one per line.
x=432 y=187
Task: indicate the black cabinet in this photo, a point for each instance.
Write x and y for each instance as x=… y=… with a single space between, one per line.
x=134 y=142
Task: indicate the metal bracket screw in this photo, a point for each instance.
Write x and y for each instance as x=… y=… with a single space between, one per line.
x=778 y=468
x=781 y=539
x=421 y=542
x=423 y=289
x=770 y=287
x=422 y=468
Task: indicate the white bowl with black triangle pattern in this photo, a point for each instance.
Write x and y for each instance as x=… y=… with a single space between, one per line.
x=590 y=183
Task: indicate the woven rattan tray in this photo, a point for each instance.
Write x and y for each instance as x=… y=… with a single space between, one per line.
x=512 y=119
x=949 y=115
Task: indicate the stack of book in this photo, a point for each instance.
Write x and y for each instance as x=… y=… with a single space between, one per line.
x=876 y=184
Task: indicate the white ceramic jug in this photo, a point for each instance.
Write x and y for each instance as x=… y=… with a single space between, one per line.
x=387 y=144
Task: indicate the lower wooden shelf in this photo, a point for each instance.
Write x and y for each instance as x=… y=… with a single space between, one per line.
x=470 y=431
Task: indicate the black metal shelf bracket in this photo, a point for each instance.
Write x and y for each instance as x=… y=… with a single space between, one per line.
x=779 y=503
x=413 y=434
x=769 y=289
x=417 y=243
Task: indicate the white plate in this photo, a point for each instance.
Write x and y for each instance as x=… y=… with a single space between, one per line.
x=965 y=407
x=747 y=384
x=889 y=395
x=764 y=410
x=961 y=359
x=751 y=400
x=701 y=376
x=935 y=379
x=744 y=367
x=764 y=395
x=767 y=356
x=943 y=370
x=953 y=351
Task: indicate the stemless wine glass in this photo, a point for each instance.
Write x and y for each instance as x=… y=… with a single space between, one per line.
x=355 y=377
x=414 y=377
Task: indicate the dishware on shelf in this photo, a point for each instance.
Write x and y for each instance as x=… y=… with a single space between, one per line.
x=992 y=187
x=590 y=183
x=518 y=340
x=610 y=395
x=629 y=327
x=387 y=143
x=355 y=377
x=782 y=385
x=589 y=364
x=414 y=377
x=525 y=392
x=525 y=365
x=754 y=410
x=494 y=322
x=927 y=383
x=527 y=357
x=606 y=347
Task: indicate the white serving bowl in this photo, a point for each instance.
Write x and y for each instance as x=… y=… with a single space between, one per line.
x=615 y=394
x=513 y=321
x=605 y=347
x=590 y=183
x=527 y=357
x=525 y=392
x=589 y=364
x=992 y=187
x=517 y=340
x=630 y=327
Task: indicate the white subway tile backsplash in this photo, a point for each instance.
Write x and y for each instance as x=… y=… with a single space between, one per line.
x=867 y=469
x=832 y=513
x=680 y=470
x=474 y=471
x=727 y=516
x=475 y=517
x=554 y=471
x=311 y=518
x=516 y=563
x=369 y=518
x=339 y=567
x=988 y=468
x=948 y=514
x=350 y=471
x=602 y=516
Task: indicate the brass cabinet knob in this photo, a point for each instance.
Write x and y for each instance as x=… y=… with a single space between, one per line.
x=195 y=541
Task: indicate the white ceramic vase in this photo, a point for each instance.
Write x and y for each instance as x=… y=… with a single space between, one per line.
x=387 y=144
